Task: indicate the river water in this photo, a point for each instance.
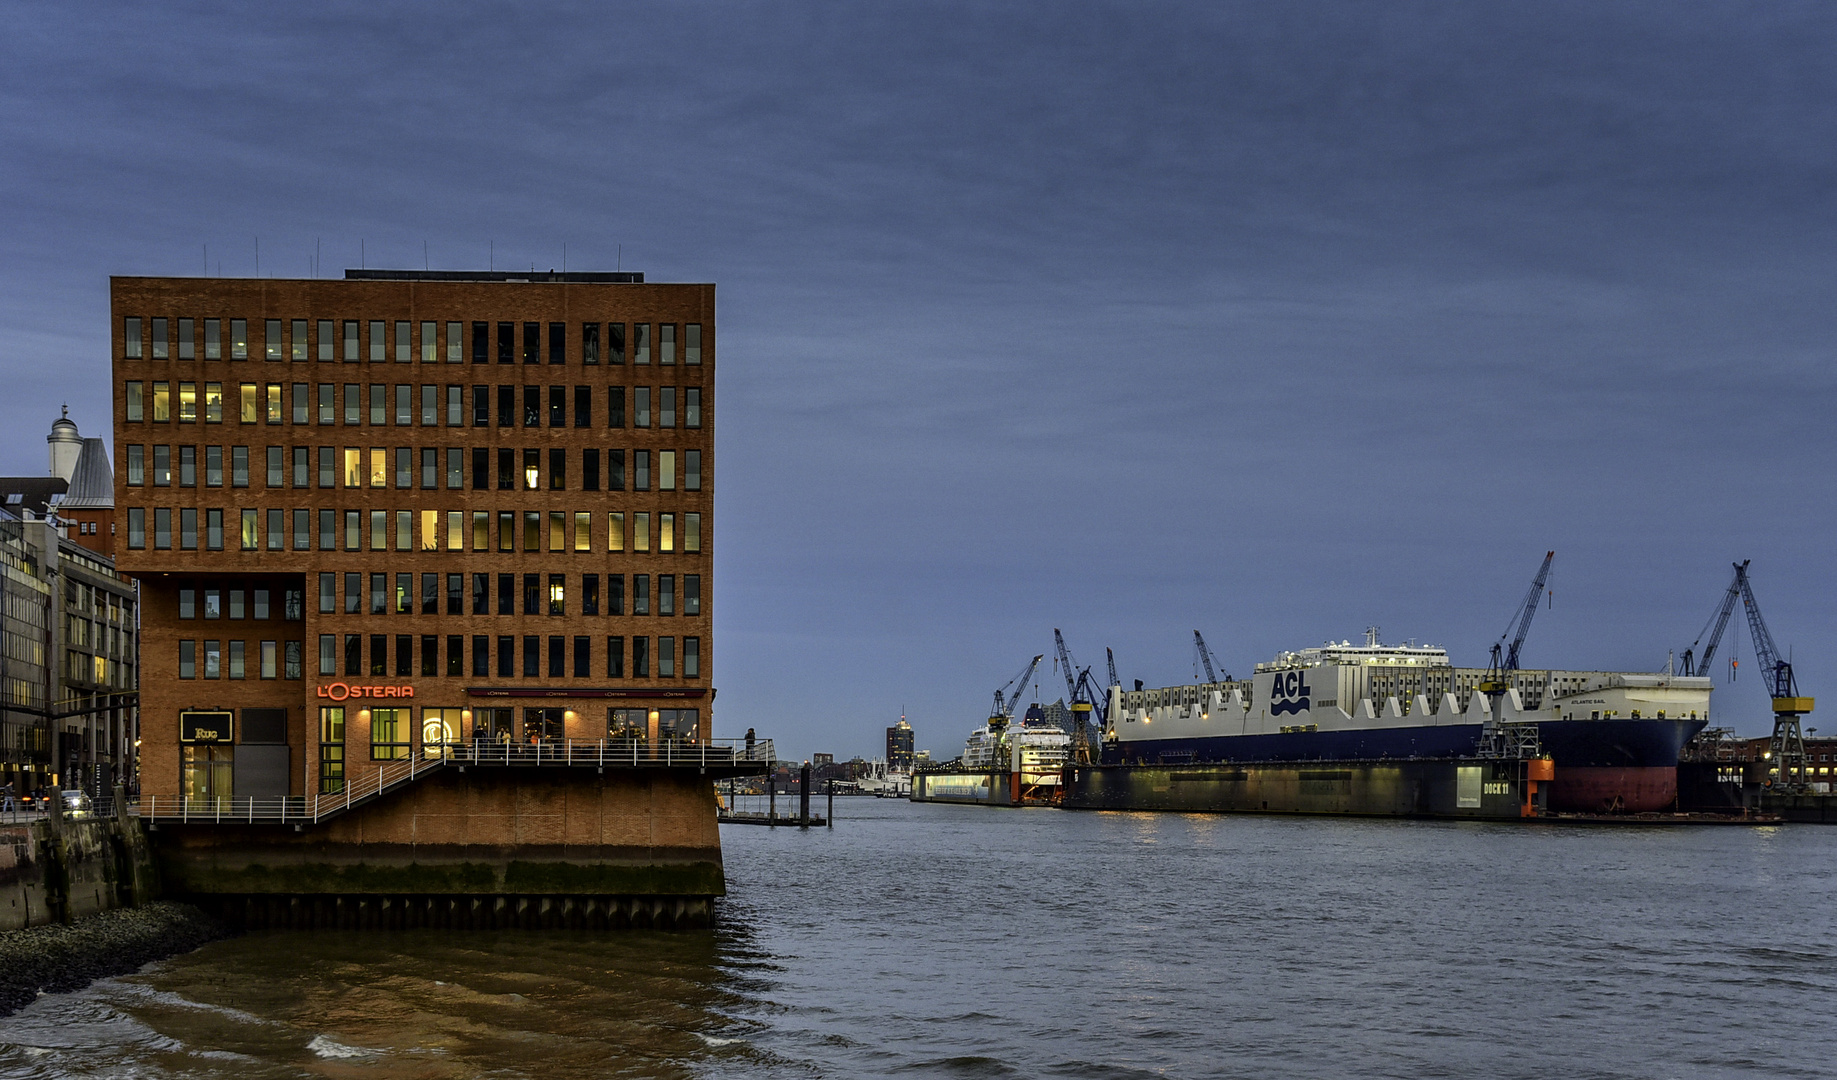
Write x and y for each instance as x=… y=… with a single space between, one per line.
x=966 y=942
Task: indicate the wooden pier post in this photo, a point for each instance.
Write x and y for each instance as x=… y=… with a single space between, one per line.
x=803 y=797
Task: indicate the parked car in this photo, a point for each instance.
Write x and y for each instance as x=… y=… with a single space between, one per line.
x=78 y=805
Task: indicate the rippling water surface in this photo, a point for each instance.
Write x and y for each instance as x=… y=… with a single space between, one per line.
x=928 y=941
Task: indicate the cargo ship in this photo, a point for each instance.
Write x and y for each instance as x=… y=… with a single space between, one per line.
x=1406 y=732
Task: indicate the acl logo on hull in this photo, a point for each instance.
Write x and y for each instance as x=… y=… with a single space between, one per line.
x=1288 y=693
x=340 y=691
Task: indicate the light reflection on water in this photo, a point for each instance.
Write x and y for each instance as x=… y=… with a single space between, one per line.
x=968 y=942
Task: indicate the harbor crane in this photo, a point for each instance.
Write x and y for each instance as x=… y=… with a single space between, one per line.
x=1003 y=708
x=1083 y=698
x=1206 y=658
x=1787 y=746
x=1114 y=681
x=1505 y=658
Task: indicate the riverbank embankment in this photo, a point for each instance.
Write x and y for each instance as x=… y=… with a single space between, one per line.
x=62 y=957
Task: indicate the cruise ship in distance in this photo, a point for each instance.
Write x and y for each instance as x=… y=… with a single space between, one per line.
x=1614 y=736
x=1044 y=749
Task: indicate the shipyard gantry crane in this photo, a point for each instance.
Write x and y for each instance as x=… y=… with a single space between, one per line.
x=1114 y=681
x=1003 y=708
x=1505 y=658
x=1206 y=658
x=1699 y=665
x=1081 y=696
x=1787 y=746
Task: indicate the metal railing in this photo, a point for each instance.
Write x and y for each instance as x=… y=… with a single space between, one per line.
x=571 y=753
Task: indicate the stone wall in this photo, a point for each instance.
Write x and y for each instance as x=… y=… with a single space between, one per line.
x=61 y=870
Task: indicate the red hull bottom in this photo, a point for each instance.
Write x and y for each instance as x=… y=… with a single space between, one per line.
x=1610 y=789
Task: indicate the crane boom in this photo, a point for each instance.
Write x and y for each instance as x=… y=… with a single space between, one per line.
x=1787 y=747
x=1505 y=658
x=1111 y=657
x=1777 y=672
x=1004 y=707
x=1065 y=665
x=1206 y=658
x=1694 y=665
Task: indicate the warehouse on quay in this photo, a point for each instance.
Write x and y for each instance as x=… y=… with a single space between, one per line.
x=426 y=593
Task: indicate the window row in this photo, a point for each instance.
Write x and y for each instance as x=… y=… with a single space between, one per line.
x=399 y=530
x=529 y=656
x=380 y=340
x=402 y=405
x=516 y=594
x=430 y=468
x=391 y=731
x=213 y=659
x=241 y=603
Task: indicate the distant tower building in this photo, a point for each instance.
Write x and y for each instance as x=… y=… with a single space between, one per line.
x=899 y=747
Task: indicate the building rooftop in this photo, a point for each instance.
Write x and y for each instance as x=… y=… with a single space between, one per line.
x=92 y=485
x=613 y=277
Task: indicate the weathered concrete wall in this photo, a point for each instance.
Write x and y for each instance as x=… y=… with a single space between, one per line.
x=481 y=833
x=62 y=871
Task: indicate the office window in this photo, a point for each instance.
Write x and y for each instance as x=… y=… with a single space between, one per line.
x=692 y=532
x=276 y=469
x=327 y=335
x=615 y=594
x=481 y=343
x=558 y=661
x=507 y=406
x=213 y=403
x=532 y=594
x=353 y=403
x=430 y=405
x=590 y=343
x=429 y=344
x=353 y=654
x=276 y=528
x=615 y=406
x=691 y=657
x=328 y=530
x=327 y=467
x=455 y=594
x=692 y=470
x=302 y=530
x=583 y=657
x=640 y=658
x=455 y=468
x=239 y=339
x=481 y=594
x=250 y=531
x=692 y=407
x=615 y=343
x=507 y=656
x=507 y=530
x=589 y=594
x=213 y=530
x=641 y=406
x=558 y=594
x=136 y=403
x=666 y=470
x=615 y=470
x=379 y=404
x=666 y=343
x=379 y=467
x=692 y=353
x=589 y=470
x=640 y=343
x=558 y=343
x=328 y=654
x=558 y=406
x=481 y=656
x=583 y=531
x=379 y=594
x=188 y=403
x=378 y=340
x=404 y=350
x=615 y=531
x=641 y=532
x=351 y=355
x=532 y=406
x=666 y=407
x=213 y=466
x=162 y=402
x=507 y=594
x=430 y=655
x=455 y=655
x=137 y=528
x=162 y=466
x=507 y=343
x=353 y=594
x=532 y=656
x=302 y=468
x=328 y=409
x=130 y=337
x=481 y=530
x=481 y=468
x=481 y=406
x=532 y=469
x=532 y=530
x=249 y=403
x=558 y=469
x=641 y=470
x=532 y=342
x=666 y=594
x=328 y=593
x=273 y=348
x=297 y=341
x=291 y=660
x=692 y=594
x=404 y=530
x=405 y=404
x=615 y=657
x=136 y=465
x=235 y=655
x=273 y=411
x=666 y=657
x=405 y=467
x=640 y=594
x=404 y=655
x=455 y=409
x=379 y=530
x=188 y=654
x=430 y=594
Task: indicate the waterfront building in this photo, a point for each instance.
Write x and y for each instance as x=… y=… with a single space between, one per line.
x=68 y=623
x=376 y=515
x=899 y=747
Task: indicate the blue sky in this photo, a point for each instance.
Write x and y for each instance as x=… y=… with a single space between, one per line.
x=1277 y=321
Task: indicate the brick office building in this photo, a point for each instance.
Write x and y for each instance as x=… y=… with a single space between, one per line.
x=375 y=514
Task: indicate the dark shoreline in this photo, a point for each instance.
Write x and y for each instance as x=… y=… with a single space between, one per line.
x=60 y=958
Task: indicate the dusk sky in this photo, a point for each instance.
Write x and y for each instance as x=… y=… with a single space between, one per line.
x=1277 y=320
